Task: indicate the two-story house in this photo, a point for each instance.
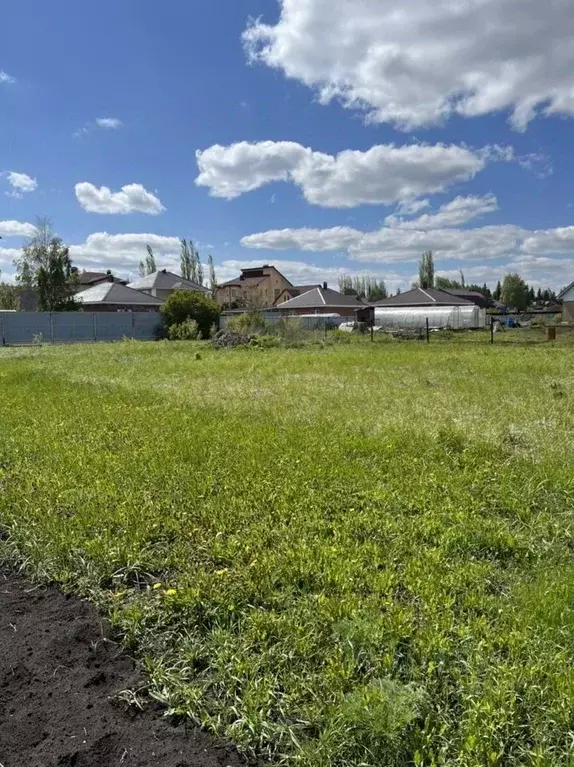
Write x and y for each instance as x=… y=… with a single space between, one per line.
x=256 y=288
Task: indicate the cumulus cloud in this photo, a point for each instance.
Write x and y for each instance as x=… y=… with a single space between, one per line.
x=454 y=213
x=382 y=175
x=132 y=198
x=16 y=229
x=21 y=184
x=421 y=62
x=6 y=79
x=123 y=252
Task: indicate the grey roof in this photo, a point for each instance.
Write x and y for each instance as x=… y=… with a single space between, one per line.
x=165 y=280
x=241 y=282
x=90 y=278
x=424 y=297
x=317 y=298
x=566 y=289
x=114 y=293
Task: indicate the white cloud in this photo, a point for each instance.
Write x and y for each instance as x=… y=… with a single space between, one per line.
x=16 y=229
x=109 y=123
x=105 y=123
x=21 y=183
x=132 y=198
x=123 y=252
x=418 y=63
x=454 y=213
x=382 y=175
x=6 y=79
x=411 y=207
x=393 y=245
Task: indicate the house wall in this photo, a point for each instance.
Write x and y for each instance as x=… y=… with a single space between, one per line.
x=266 y=291
x=568 y=311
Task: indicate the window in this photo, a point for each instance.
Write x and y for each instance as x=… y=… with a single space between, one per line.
x=277 y=293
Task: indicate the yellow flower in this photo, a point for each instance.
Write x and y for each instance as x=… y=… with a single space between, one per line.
x=157 y=585
x=170 y=592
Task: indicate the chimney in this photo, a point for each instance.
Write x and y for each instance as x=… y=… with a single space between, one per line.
x=324 y=286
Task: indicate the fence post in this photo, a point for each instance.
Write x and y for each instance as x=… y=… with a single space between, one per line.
x=2 y=329
x=51 y=327
x=372 y=332
x=94 y=317
x=133 y=325
x=428 y=331
x=492 y=330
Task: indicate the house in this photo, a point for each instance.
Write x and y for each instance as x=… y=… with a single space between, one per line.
x=85 y=280
x=321 y=300
x=113 y=297
x=476 y=298
x=567 y=298
x=424 y=297
x=162 y=284
x=259 y=287
x=293 y=292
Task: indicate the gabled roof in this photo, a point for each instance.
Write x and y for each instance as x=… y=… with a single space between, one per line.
x=165 y=280
x=424 y=297
x=119 y=295
x=90 y=278
x=566 y=289
x=318 y=298
x=238 y=282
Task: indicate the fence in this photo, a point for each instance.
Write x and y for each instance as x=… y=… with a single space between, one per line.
x=20 y=328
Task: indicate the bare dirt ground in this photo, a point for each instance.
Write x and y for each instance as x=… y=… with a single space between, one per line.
x=59 y=676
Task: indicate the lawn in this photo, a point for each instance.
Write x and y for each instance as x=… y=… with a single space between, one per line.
x=348 y=555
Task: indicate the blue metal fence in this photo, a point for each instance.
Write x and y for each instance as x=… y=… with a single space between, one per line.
x=19 y=328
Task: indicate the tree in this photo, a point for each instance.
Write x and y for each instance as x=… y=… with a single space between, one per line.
x=9 y=298
x=365 y=287
x=185 y=305
x=443 y=283
x=514 y=292
x=186 y=260
x=212 y=275
x=426 y=270
x=45 y=265
x=497 y=291
x=148 y=266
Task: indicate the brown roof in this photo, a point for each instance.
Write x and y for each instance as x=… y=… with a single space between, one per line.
x=241 y=282
x=424 y=297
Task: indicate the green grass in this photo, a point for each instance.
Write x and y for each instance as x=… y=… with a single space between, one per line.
x=352 y=555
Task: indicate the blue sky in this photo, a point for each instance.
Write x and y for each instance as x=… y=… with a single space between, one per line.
x=332 y=136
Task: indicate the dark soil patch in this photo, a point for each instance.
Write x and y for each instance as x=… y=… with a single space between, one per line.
x=58 y=678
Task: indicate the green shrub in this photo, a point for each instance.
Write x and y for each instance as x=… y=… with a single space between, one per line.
x=291 y=331
x=185 y=331
x=250 y=322
x=185 y=305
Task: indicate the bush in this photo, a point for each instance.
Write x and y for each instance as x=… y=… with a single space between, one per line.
x=185 y=305
x=185 y=331
x=291 y=331
x=250 y=322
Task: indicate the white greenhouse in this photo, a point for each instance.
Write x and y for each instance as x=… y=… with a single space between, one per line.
x=451 y=317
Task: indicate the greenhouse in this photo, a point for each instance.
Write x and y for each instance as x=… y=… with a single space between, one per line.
x=448 y=317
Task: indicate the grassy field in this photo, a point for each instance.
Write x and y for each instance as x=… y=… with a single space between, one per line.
x=353 y=555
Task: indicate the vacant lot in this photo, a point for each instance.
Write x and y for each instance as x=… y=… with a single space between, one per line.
x=355 y=555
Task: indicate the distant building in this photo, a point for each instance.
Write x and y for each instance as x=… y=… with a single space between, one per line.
x=259 y=287
x=113 y=297
x=479 y=299
x=293 y=292
x=321 y=300
x=424 y=297
x=567 y=298
x=162 y=284
x=86 y=280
